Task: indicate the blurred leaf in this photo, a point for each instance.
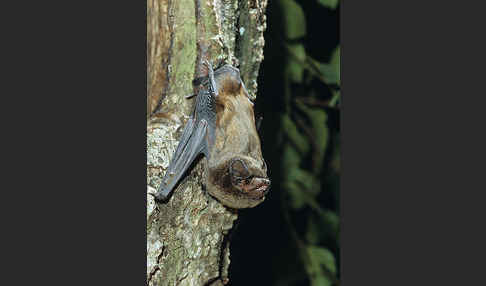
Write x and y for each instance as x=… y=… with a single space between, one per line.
x=312 y=234
x=301 y=197
x=330 y=222
x=322 y=225
x=330 y=72
x=332 y=219
x=301 y=187
x=305 y=180
x=335 y=64
x=331 y=4
x=324 y=257
x=295 y=68
x=297 y=196
x=290 y=159
x=296 y=138
x=321 y=280
x=336 y=95
x=300 y=184
x=336 y=58
x=318 y=119
x=320 y=266
x=293 y=19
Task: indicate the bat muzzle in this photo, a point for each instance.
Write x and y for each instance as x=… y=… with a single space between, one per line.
x=258 y=187
x=249 y=181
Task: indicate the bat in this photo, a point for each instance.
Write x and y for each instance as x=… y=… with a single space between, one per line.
x=222 y=129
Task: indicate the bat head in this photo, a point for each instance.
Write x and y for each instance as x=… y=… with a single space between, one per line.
x=237 y=171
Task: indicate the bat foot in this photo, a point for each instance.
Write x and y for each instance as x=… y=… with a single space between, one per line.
x=208 y=64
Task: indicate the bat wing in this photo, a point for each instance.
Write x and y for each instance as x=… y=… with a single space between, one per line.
x=186 y=134
x=194 y=141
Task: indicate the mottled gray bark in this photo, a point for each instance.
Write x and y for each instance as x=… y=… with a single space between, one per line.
x=186 y=242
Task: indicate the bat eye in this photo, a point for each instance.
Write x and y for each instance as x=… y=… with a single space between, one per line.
x=238 y=170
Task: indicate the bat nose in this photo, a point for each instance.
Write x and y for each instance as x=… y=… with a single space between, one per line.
x=268 y=183
x=261 y=184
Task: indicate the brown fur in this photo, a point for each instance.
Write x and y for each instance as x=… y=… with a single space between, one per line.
x=236 y=138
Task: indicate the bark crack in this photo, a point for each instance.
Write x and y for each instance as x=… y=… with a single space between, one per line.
x=223 y=262
x=167 y=62
x=157 y=268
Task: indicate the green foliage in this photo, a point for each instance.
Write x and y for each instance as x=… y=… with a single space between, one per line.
x=294 y=136
x=336 y=94
x=302 y=187
x=294 y=17
x=322 y=226
x=321 y=266
x=332 y=4
x=309 y=150
x=331 y=71
x=317 y=118
x=295 y=69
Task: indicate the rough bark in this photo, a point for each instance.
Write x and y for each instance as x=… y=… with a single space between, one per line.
x=187 y=237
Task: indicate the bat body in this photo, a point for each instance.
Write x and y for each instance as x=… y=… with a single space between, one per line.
x=222 y=128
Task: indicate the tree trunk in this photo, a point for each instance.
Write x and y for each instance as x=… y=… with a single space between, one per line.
x=187 y=237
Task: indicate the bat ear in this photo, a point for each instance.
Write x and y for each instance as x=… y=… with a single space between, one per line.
x=243 y=89
x=238 y=169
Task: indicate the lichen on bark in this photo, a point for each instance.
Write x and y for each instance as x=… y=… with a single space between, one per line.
x=187 y=236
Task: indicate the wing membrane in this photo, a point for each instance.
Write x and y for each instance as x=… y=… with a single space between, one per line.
x=193 y=142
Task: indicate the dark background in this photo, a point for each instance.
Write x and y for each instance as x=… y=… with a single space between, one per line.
x=276 y=241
